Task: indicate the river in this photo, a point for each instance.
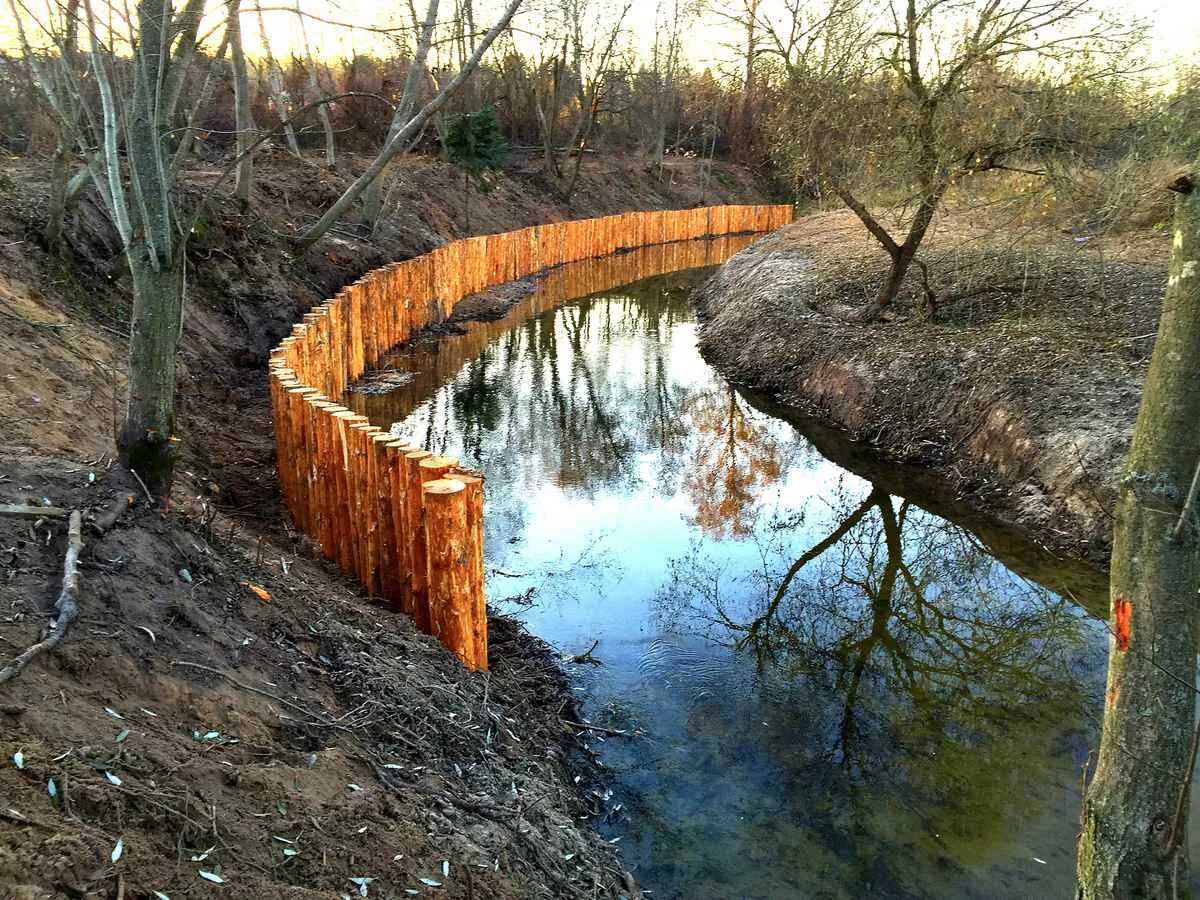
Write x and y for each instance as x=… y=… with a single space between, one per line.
x=832 y=682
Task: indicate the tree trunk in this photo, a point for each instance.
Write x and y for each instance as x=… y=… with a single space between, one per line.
x=405 y=134
x=467 y=201
x=1134 y=836
x=56 y=210
x=372 y=200
x=146 y=436
x=244 y=184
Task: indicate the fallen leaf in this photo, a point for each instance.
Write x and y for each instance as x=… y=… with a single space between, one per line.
x=112 y=779
x=19 y=759
x=201 y=857
x=51 y=788
x=121 y=735
x=118 y=849
x=112 y=712
x=260 y=592
x=211 y=876
x=431 y=882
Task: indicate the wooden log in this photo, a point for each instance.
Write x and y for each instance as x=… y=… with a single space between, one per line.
x=398 y=508
x=472 y=483
x=344 y=513
x=446 y=534
x=390 y=568
x=417 y=560
x=368 y=521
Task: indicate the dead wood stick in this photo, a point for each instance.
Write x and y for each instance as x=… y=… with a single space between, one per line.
x=67 y=605
x=30 y=511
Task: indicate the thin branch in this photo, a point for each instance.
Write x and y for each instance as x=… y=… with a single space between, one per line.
x=67 y=605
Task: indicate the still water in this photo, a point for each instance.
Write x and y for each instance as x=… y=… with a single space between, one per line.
x=828 y=690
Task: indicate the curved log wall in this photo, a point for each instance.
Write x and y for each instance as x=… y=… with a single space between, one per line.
x=410 y=524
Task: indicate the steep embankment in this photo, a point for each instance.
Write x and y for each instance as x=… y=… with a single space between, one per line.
x=1023 y=389
x=258 y=718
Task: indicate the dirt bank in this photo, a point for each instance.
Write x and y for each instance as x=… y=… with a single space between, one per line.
x=1021 y=391
x=265 y=706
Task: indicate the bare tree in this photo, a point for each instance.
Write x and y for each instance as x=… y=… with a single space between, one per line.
x=401 y=136
x=274 y=81
x=243 y=119
x=907 y=102
x=593 y=42
x=315 y=91
x=57 y=73
x=1134 y=841
x=664 y=60
x=414 y=81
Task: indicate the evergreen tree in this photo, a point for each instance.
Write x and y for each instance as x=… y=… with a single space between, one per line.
x=473 y=143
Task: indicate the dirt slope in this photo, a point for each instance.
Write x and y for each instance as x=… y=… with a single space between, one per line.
x=1023 y=388
x=312 y=722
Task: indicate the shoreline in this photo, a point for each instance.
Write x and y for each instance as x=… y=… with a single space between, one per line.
x=1031 y=437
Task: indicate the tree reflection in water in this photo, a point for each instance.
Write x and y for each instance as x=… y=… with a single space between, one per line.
x=938 y=685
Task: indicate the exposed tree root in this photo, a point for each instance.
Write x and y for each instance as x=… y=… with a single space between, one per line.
x=67 y=605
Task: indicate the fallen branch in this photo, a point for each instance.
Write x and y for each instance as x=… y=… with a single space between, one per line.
x=67 y=605
x=28 y=510
x=586 y=656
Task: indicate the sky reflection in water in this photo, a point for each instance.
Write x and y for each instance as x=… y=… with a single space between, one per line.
x=840 y=693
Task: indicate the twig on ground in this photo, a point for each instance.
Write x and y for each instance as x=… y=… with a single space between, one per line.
x=149 y=496
x=67 y=605
x=29 y=511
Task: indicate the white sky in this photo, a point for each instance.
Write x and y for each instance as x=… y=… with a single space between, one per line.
x=708 y=43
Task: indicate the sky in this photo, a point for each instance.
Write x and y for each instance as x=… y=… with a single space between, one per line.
x=708 y=42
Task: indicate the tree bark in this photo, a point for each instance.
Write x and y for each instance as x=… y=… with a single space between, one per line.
x=244 y=121
x=276 y=88
x=56 y=208
x=314 y=87
x=373 y=193
x=1134 y=824
x=146 y=436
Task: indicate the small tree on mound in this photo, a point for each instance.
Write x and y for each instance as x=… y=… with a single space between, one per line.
x=474 y=145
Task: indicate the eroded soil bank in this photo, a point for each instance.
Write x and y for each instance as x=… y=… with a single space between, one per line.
x=228 y=702
x=1021 y=390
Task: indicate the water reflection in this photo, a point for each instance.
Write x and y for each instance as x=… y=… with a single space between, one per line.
x=940 y=700
x=838 y=693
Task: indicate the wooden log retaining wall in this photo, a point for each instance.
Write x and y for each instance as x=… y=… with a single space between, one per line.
x=410 y=524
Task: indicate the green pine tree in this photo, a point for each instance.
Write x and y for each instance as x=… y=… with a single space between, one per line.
x=473 y=143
